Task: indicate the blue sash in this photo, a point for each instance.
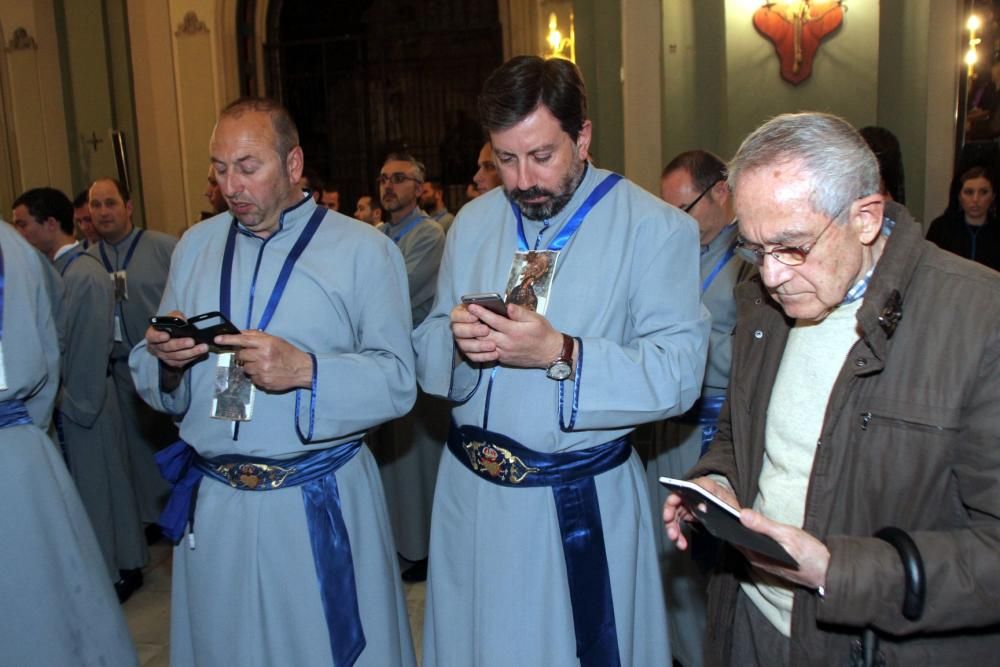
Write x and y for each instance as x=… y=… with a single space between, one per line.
x=704 y=413
x=331 y=547
x=14 y=413
x=500 y=460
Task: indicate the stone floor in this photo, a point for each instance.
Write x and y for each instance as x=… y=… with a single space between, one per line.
x=148 y=610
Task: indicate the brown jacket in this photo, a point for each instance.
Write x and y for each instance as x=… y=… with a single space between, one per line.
x=911 y=438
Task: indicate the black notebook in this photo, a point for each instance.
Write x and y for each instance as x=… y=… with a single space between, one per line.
x=723 y=521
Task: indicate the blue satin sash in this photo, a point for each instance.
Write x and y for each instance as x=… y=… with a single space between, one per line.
x=705 y=414
x=14 y=412
x=501 y=460
x=181 y=465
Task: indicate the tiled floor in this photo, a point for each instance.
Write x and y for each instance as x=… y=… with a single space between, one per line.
x=148 y=611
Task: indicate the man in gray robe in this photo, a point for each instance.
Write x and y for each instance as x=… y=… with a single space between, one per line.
x=286 y=557
x=87 y=421
x=138 y=261
x=695 y=182
x=59 y=607
x=409 y=449
x=542 y=547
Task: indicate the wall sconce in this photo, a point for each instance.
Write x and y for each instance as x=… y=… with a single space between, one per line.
x=796 y=27
x=972 y=25
x=559 y=46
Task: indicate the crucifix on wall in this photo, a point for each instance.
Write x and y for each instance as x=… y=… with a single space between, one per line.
x=796 y=28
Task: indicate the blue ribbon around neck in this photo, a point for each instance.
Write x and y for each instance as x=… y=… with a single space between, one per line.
x=566 y=233
x=404 y=231
x=128 y=254
x=728 y=255
x=77 y=255
x=315 y=472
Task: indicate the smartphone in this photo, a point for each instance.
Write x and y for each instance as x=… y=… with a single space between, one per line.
x=202 y=328
x=491 y=301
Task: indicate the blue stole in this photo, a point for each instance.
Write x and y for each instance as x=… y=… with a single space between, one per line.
x=705 y=414
x=501 y=460
x=181 y=465
x=14 y=412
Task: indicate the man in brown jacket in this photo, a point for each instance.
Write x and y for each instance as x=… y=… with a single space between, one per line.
x=865 y=393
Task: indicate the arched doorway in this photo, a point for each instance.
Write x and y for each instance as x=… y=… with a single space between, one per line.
x=363 y=78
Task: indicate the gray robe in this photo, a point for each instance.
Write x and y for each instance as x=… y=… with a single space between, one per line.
x=408 y=449
x=247 y=593
x=677 y=447
x=59 y=607
x=92 y=431
x=145 y=430
x=626 y=284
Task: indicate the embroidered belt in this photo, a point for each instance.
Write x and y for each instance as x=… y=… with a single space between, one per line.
x=503 y=461
x=314 y=472
x=705 y=414
x=14 y=413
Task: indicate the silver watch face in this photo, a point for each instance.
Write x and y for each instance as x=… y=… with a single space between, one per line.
x=559 y=370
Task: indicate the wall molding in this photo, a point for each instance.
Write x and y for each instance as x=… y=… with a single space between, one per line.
x=191 y=25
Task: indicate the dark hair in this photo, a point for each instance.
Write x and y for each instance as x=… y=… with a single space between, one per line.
x=976 y=172
x=286 y=134
x=706 y=169
x=45 y=203
x=82 y=199
x=885 y=145
x=375 y=203
x=400 y=156
x=122 y=190
x=520 y=85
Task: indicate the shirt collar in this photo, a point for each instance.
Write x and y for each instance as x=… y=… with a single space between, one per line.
x=65 y=249
x=861 y=286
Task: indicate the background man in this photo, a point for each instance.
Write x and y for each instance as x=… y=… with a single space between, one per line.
x=216 y=202
x=84 y=223
x=88 y=422
x=695 y=182
x=863 y=394
x=432 y=202
x=570 y=571
x=289 y=496
x=330 y=198
x=409 y=449
x=138 y=261
x=369 y=210
x=58 y=607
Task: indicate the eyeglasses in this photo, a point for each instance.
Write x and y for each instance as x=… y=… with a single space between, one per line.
x=687 y=208
x=787 y=255
x=397 y=178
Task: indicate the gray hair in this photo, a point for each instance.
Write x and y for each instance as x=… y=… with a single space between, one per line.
x=400 y=156
x=835 y=158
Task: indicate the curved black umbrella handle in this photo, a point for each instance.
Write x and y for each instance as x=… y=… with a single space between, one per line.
x=913 y=570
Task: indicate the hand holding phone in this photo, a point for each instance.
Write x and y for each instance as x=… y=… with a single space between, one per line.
x=201 y=328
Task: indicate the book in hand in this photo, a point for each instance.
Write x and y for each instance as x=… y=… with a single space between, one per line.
x=723 y=521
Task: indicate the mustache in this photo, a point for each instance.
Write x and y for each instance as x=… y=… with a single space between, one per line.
x=534 y=192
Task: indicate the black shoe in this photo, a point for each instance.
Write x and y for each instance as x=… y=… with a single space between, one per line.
x=153 y=534
x=130 y=582
x=416 y=572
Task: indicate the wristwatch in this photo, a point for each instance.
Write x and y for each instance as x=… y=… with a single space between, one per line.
x=562 y=367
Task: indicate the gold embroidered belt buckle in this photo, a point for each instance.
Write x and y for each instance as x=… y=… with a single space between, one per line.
x=250 y=476
x=497 y=463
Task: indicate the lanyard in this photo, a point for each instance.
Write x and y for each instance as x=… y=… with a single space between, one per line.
x=558 y=243
x=728 y=255
x=566 y=233
x=404 y=231
x=128 y=255
x=72 y=259
x=225 y=282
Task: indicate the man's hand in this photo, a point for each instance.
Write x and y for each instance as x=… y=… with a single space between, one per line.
x=675 y=514
x=523 y=339
x=272 y=363
x=174 y=352
x=812 y=555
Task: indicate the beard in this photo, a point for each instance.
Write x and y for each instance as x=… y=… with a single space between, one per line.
x=555 y=202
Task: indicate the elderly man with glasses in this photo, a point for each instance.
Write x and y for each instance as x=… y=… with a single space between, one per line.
x=863 y=395
x=695 y=182
x=408 y=449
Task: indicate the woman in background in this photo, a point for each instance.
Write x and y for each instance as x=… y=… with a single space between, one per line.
x=971 y=229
